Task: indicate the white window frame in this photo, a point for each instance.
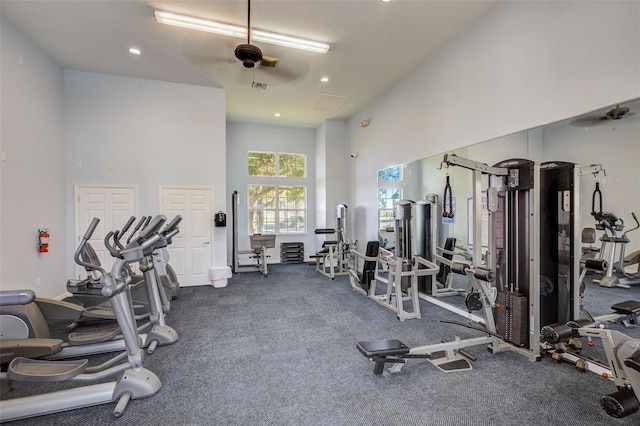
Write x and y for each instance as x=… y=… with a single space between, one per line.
x=277 y=210
x=277 y=164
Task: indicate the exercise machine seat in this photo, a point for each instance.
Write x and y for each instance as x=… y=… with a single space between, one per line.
x=628 y=307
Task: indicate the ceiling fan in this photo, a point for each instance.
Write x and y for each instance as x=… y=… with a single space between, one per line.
x=248 y=53
x=617 y=113
x=265 y=70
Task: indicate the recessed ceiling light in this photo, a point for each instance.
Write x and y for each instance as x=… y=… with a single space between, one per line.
x=386 y=1
x=135 y=51
x=324 y=79
x=277 y=114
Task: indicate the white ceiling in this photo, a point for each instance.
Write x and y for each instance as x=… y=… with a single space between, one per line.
x=373 y=45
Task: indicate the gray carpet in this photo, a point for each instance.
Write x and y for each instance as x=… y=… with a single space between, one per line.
x=281 y=351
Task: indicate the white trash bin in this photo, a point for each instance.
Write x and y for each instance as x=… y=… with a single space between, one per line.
x=219 y=276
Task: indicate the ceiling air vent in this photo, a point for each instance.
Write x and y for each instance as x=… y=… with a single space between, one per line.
x=329 y=102
x=258 y=85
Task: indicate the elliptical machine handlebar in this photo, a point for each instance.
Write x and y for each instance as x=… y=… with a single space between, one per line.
x=151 y=227
x=126 y=226
x=138 y=226
x=113 y=250
x=171 y=229
x=170 y=234
x=91 y=229
x=173 y=224
x=635 y=218
x=608 y=221
x=83 y=243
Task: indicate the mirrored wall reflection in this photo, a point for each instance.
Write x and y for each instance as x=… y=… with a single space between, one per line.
x=417 y=179
x=609 y=136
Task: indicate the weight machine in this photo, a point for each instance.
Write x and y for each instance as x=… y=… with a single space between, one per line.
x=514 y=197
x=400 y=270
x=622 y=353
x=505 y=280
x=334 y=257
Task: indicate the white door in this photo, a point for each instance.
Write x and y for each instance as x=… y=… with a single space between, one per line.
x=113 y=206
x=191 y=248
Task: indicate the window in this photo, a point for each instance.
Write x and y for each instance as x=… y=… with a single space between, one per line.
x=387 y=199
x=389 y=192
x=268 y=164
x=277 y=209
x=390 y=174
x=277 y=206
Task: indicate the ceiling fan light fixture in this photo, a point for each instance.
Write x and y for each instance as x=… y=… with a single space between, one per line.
x=200 y=24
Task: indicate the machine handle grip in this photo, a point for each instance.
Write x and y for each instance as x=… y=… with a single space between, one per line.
x=111 y=247
x=152 y=227
x=138 y=226
x=92 y=228
x=83 y=243
x=171 y=225
x=127 y=225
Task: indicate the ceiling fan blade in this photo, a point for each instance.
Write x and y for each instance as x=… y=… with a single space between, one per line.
x=588 y=121
x=286 y=71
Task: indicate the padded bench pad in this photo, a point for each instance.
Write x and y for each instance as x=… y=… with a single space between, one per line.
x=382 y=348
x=627 y=307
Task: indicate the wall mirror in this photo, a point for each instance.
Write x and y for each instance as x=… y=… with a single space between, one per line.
x=609 y=136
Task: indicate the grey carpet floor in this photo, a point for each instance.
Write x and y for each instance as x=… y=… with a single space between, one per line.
x=281 y=351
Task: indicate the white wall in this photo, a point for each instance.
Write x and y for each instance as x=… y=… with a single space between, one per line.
x=522 y=65
x=154 y=133
x=337 y=174
x=321 y=178
x=32 y=177
x=244 y=137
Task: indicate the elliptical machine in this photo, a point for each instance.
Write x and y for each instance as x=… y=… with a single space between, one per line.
x=615 y=274
x=133 y=381
x=88 y=291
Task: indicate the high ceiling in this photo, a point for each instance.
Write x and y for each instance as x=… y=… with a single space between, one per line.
x=373 y=45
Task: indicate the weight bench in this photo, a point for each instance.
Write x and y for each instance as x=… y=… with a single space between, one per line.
x=630 y=308
x=446 y=356
x=380 y=351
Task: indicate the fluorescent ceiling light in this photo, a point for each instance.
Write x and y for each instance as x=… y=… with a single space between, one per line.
x=200 y=24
